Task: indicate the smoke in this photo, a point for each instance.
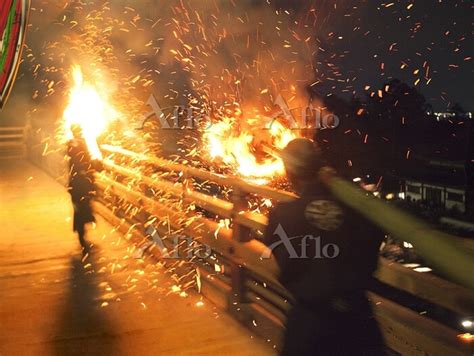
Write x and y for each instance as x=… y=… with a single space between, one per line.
x=243 y=53
x=222 y=56
x=216 y=52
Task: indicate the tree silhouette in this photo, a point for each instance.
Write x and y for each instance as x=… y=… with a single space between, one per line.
x=457 y=109
x=393 y=132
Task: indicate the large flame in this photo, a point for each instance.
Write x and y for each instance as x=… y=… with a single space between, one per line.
x=90 y=109
x=248 y=151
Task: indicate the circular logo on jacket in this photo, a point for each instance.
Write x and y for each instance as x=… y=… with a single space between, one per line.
x=324 y=214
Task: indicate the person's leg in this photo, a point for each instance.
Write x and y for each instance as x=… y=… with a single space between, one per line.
x=81 y=231
x=304 y=335
x=357 y=332
x=369 y=338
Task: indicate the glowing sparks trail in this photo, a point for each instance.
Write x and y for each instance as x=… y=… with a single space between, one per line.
x=90 y=109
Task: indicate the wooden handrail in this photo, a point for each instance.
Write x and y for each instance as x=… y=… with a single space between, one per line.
x=12 y=142
x=262 y=191
x=11 y=128
x=178 y=190
x=11 y=136
x=426 y=286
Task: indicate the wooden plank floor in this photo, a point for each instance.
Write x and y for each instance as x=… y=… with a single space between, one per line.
x=54 y=302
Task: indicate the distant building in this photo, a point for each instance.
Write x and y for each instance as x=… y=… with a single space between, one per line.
x=441 y=172
x=451 y=115
x=442 y=193
x=441 y=183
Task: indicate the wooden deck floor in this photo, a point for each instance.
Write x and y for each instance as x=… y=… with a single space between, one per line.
x=54 y=302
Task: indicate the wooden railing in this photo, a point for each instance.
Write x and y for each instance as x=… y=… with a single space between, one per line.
x=12 y=142
x=235 y=276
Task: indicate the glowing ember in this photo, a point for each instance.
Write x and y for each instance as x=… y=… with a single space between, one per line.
x=244 y=153
x=88 y=108
x=468 y=337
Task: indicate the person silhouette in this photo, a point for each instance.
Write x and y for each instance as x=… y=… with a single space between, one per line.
x=327 y=254
x=81 y=185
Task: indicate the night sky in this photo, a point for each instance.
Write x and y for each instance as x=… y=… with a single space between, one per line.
x=362 y=45
x=366 y=43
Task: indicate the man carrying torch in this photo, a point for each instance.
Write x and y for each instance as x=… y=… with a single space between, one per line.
x=327 y=254
x=81 y=183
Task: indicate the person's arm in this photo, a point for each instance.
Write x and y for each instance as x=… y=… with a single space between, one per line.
x=273 y=241
x=365 y=252
x=269 y=234
x=97 y=165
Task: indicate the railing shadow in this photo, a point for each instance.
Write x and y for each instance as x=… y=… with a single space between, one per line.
x=83 y=327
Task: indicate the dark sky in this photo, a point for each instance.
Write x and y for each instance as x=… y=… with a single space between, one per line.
x=363 y=44
x=367 y=42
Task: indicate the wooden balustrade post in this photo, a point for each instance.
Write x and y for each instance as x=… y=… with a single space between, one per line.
x=142 y=217
x=113 y=201
x=188 y=184
x=241 y=234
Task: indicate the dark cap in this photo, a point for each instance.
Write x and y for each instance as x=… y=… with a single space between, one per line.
x=302 y=158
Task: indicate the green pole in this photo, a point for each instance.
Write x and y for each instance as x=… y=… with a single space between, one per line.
x=442 y=251
x=6 y=36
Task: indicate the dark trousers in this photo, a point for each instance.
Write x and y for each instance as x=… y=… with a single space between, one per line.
x=82 y=216
x=81 y=232
x=323 y=330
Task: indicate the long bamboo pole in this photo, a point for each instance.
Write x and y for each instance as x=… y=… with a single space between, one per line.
x=439 y=249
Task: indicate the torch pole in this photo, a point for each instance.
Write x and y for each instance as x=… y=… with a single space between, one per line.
x=442 y=251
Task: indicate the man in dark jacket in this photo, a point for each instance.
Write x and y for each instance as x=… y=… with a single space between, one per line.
x=327 y=254
x=81 y=183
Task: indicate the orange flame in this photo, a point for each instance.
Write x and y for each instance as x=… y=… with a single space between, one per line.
x=90 y=109
x=239 y=150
